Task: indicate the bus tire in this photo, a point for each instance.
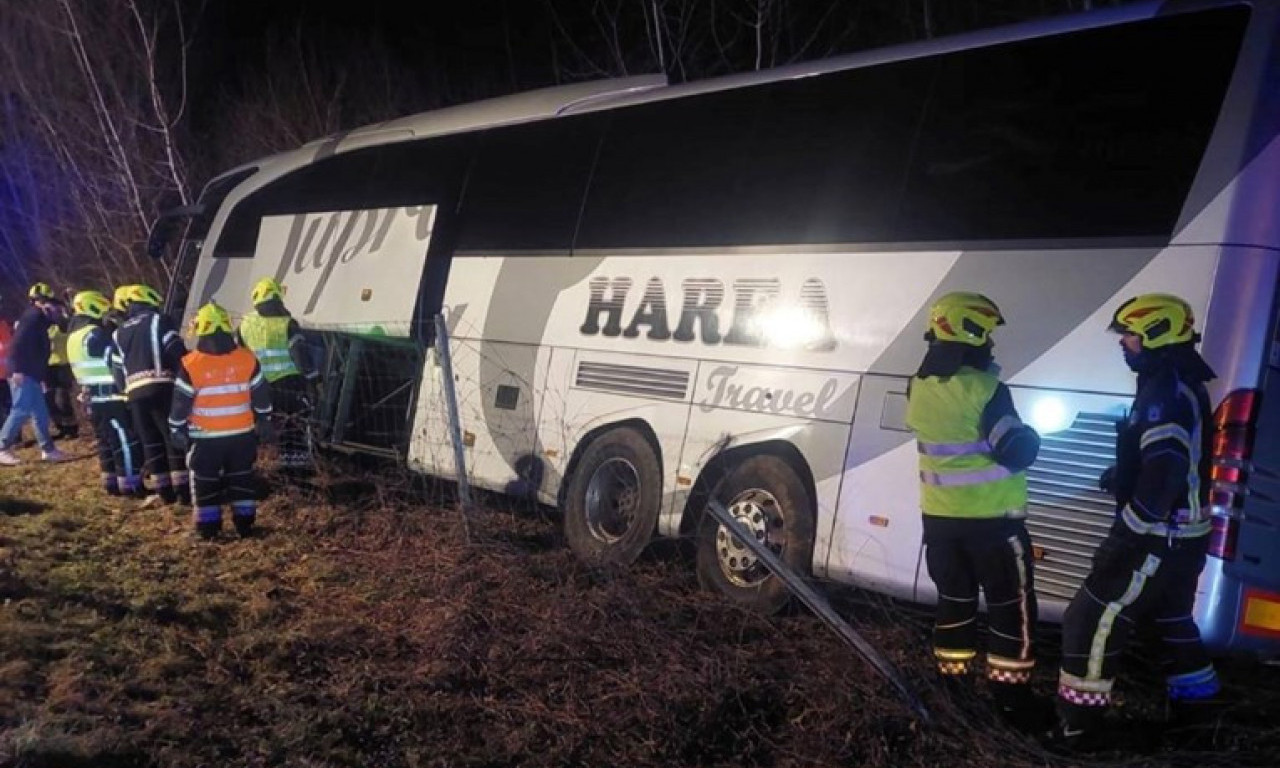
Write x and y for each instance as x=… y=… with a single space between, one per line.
x=767 y=496
x=611 y=506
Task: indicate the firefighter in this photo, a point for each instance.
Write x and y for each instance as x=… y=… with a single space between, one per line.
x=60 y=383
x=28 y=366
x=973 y=450
x=219 y=397
x=275 y=337
x=1147 y=568
x=145 y=357
x=88 y=348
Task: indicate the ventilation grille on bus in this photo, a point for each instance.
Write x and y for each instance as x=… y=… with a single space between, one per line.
x=1068 y=516
x=633 y=380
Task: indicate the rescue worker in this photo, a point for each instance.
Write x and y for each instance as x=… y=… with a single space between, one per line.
x=1147 y=568
x=88 y=348
x=119 y=308
x=145 y=356
x=219 y=396
x=60 y=382
x=973 y=450
x=276 y=339
x=28 y=366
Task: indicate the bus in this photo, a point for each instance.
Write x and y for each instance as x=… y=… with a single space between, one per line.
x=661 y=294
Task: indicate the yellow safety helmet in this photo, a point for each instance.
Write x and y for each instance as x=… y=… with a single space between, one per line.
x=966 y=318
x=40 y=291
x=90 y=304
x=267 y=289
x=120 y=299
x=1159 y=319
x=212 y=318
x=142 y=294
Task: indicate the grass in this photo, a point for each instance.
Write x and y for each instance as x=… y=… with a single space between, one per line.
x=364 y=628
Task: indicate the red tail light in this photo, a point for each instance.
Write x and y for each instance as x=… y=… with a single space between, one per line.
x=1233 y=429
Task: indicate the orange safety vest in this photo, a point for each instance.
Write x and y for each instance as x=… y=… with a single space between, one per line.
x=6 y=336
x=223 y=400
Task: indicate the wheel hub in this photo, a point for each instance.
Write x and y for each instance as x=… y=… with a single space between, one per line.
x=759 y=512
x=612 y=499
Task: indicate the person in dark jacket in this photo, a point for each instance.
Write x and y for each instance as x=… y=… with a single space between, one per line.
x=145 y=358
x=1147 y=568
x=974 y=450
x=272 y=334
x=28 y=368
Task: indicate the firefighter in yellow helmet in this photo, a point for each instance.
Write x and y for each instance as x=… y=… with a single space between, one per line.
x=219 y=398
x=1147 y=568
x=59 y=383
x=88 y=349
x=276 y=338
x=147 y=352
x=973 y=450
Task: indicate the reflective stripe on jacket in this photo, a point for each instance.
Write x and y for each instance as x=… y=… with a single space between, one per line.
x=91 y=372
x=268 y=337
x=958 y=476
x=221 y=388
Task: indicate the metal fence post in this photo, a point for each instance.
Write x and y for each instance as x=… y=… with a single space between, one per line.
x=455 y=423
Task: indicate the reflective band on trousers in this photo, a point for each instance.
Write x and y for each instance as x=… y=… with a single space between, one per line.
x=988 y=475
x=978 y=448
x=1190 y=530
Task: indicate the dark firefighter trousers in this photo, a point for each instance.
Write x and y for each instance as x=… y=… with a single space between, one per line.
x=59 y=398
x=291 y=409
x=964 y=555
x=165 y=465
x=222 y=473
x=119 y=452
x=1136 y=578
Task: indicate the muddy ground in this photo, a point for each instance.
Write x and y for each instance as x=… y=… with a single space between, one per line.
x=365 y=626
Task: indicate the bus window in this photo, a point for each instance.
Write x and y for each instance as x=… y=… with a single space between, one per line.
x=1098 y=133
x=524 y=191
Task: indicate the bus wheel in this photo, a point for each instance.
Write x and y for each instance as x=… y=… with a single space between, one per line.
x=611 y=507
x=767 y=497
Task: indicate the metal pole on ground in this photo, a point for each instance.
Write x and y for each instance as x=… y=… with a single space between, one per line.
x=455 y=423
x=819 y=605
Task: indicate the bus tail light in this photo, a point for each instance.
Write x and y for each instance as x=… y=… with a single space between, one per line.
x=1233 y=432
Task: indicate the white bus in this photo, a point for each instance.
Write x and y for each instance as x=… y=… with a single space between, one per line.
x=656 y=293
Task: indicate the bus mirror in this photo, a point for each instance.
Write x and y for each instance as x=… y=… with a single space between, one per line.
x=163 y=229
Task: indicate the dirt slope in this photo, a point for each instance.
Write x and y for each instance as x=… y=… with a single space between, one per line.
x=370 y=632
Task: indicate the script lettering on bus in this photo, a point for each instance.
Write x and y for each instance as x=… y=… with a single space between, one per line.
x=319 y=242
x=724 y=393
x=762 y=314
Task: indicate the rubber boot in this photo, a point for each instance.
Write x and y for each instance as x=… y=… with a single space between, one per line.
x=243 y=515
x=1019 y=707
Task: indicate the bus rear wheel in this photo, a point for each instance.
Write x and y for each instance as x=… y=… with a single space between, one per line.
x=766 y=496
x=611 y=506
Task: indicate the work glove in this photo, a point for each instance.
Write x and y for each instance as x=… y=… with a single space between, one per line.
x=266 y=431
x=1107 y=480
x=180 y=439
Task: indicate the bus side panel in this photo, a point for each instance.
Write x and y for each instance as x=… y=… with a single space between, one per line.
x=816 y=425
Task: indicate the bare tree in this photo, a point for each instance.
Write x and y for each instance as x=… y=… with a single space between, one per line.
x=85 y=100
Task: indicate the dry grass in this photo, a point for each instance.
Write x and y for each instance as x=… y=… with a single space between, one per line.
x=369 y=632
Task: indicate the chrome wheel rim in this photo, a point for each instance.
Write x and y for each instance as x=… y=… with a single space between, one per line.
x=759 y=512
x=612 y=500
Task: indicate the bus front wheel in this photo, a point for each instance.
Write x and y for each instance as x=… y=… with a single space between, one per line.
x=767 y=497
x=611 y=507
